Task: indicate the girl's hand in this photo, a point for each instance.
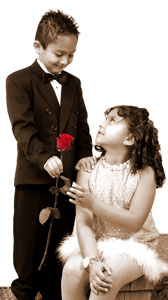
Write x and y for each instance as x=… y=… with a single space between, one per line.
x=81 y=196
x=100 y=277
x=87 y=163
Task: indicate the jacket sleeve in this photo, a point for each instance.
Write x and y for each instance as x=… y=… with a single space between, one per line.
x=84 y=145
x=21 y=114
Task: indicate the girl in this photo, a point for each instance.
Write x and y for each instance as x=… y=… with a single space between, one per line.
x=116 y=239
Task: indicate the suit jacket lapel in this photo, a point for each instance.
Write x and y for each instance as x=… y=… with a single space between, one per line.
x=67 y=99
x=45 y=89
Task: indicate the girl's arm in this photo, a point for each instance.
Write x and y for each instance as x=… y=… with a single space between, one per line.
x=129 y=220
x=84 y=218
x=100 y=273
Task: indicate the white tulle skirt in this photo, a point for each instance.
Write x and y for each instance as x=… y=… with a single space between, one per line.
x=153 y=267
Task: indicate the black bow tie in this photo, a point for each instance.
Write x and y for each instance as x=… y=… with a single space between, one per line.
x=61 y=77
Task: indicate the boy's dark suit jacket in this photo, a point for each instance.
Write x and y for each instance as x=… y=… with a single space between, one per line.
x=37 y=119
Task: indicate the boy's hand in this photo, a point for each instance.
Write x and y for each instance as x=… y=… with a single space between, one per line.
x=100 y=277
x=87 y=163
x=53 y=166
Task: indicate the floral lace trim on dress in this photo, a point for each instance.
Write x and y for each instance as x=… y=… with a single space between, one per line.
x=115 y=167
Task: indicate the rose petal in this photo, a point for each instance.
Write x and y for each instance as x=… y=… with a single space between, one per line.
x=64 y=142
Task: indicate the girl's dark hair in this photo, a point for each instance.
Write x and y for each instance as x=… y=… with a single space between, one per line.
x=146 y=149
x=54 y=23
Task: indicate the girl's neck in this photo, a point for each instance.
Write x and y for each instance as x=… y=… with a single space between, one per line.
x=116 y=158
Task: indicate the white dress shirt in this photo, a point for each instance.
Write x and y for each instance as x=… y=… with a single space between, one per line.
x=57 y=87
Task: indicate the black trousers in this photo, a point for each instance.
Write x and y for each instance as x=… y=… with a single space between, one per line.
x=30 y=240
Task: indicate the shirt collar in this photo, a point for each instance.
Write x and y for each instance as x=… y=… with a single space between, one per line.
x=42 y=66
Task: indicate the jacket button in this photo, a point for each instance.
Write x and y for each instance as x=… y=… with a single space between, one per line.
x=48 y=111
x=54 y=128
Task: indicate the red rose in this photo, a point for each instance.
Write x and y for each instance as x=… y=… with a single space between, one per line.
x=64 y=142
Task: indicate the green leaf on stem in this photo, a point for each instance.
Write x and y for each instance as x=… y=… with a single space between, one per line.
x=53 y=190
x=66 y=180
x=44 y=215
x=64 y=189
x=55 y=213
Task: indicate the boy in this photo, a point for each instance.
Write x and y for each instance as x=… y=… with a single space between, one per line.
x=40 y=108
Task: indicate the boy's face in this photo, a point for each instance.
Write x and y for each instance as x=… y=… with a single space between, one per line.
x=58 y=54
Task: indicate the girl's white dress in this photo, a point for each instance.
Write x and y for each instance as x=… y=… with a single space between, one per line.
x=116 y=185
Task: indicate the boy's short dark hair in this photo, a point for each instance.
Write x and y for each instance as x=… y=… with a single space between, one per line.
x=54 y=23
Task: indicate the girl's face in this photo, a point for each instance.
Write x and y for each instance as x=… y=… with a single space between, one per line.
x=113 y=132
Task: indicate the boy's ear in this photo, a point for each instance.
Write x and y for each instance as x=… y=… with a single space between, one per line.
x=129 y=140
x=37 y=46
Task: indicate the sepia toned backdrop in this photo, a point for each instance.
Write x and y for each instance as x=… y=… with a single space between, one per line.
x=122 y=58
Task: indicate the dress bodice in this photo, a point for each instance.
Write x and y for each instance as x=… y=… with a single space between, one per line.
x=116 y=185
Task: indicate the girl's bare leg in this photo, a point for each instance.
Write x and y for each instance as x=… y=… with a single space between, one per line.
x=124 y=270
x=75 y=278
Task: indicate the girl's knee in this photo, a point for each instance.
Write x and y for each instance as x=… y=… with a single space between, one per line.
x=74 y=279
x=73 y=269
x=124 y=270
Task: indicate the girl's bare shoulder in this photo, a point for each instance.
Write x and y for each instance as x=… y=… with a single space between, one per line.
x=147 y=173
x=83 y=177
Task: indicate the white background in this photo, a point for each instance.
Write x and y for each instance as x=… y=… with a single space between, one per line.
x=122 y=58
